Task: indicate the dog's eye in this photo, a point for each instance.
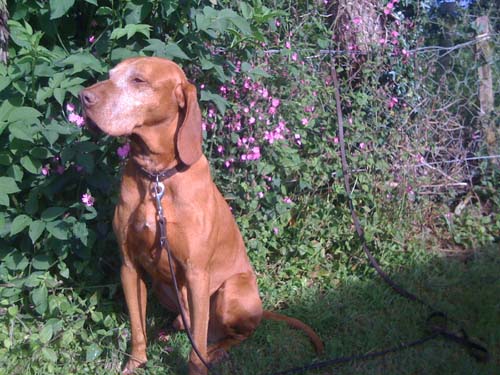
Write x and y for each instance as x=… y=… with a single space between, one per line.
x=138 y=80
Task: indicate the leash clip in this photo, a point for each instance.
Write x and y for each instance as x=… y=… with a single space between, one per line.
x=158 y=189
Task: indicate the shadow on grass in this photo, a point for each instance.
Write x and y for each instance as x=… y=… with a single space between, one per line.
x=364 y=315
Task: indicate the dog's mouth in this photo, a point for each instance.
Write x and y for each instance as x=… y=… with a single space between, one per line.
x=93 y=128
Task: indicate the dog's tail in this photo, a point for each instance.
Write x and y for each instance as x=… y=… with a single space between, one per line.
x=297 y=324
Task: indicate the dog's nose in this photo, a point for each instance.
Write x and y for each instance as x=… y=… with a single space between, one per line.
x=88 y=98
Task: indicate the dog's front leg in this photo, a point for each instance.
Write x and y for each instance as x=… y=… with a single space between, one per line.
x=134 y=288
x=199 y=305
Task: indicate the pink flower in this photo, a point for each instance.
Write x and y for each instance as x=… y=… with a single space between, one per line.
x=123 y=151
x=271 y=110
x=276 y=230
x=275 y=102
x=260 y=194
x=390 y=5
x=336 y=140
x=382 y=41
x=254 y=154
x=70 y=107
x=294 y=56
x=387 y=11
x=362 y=145
x=277 y=22
x=227 y=163
x=304 y=121
x=287 y=45
x=298 y=139
x=394 y=34
x=220 y=149
x=76 y=119
x=163 y=336
x=357 y=20
x=287 y=200
x=265 y=93
x=45 y=171
x=251 y=120
x=60 y=169
x=91 y=39
x=392 y=102
x=88 y=200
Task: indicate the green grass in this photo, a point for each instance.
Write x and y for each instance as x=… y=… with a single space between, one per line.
x=357 y=316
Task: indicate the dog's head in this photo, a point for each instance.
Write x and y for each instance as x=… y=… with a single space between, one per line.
x=147 y=92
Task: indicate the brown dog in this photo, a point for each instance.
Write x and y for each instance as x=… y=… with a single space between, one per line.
x=150 y=100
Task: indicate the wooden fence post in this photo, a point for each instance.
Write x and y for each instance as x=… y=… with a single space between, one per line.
x=484 y=51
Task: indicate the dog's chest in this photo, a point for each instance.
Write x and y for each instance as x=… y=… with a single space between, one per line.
x=142 y=234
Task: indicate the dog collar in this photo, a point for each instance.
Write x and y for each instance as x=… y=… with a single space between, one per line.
x=162 y=175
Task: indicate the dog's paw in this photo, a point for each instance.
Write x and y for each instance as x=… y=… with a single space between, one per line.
x=132 y=365
x=218 y=355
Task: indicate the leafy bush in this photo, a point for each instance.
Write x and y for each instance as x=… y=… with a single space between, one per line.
x=270 y=132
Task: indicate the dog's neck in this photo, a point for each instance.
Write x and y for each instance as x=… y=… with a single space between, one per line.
x=153 y=149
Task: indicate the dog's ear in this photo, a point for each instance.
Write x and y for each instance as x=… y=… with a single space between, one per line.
x=189 y=134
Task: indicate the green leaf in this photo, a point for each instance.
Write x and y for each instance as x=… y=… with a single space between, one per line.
x=246 y=10
x=81 y=232
x=27 y=115
x=41 y=262
x=39 y=296
x=84 y=61
x=4 y=200
x=22 y=131
x=5 y=110
x=130 y=30
x=40 y=153
x=104 y=11
x=4 y=82
x=31 y=165
x=219 y=101
x=59 y=8
x=8 y=185
x=93 y=352
x=49 y=354
x=238 y=21
x=58 y=229
x=46 y=333
x=93 y=2
x=59 y=94
x=170 y=50
x=36 y=230
x=15 y=261
x=52 y=213
x=19 y=223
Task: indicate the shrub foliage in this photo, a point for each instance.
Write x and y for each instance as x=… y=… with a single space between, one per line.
x=263 y=71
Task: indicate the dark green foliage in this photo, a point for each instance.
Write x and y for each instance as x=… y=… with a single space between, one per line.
x=264 y=84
